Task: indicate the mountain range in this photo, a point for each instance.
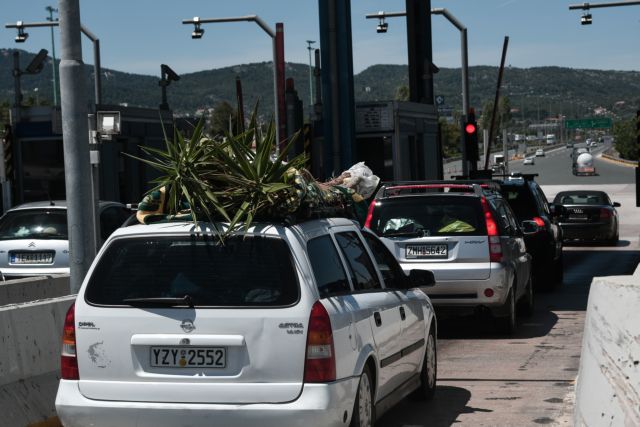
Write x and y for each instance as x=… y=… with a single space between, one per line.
x=534 y=93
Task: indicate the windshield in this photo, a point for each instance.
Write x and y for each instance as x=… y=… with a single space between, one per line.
x=245 y=271
x=429 y=216
x=34 y=224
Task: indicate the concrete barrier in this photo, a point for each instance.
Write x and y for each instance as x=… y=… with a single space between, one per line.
x=619 y=160
x=30 y=340
x=33 y=288
x=608 y=385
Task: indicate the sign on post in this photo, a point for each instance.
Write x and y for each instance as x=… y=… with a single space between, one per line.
x=593 y=123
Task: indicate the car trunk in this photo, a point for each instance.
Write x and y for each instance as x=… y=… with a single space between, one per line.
x=446 y=234
x=580 y=214
x=237 y=338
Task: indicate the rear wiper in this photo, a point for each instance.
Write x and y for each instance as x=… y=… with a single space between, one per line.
x=166 y=301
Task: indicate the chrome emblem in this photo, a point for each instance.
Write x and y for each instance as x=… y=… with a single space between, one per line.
x=187 y=325
x=185 y=341
x=578 y=211
x=32 y=245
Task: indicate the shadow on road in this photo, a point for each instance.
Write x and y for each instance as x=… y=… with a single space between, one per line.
x=448 y=403
x=579 y=244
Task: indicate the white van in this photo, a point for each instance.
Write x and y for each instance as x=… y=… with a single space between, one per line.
x=551 y=139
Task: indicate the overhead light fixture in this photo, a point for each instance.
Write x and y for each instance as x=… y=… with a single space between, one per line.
x=197 y=31
x=586 y=19
x=382 y=26
x=22 y=36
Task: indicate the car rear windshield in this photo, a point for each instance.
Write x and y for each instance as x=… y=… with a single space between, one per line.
x=580 y=199
x=34 y=224
x=429 y=216
x=521 y=201
x=249 y=271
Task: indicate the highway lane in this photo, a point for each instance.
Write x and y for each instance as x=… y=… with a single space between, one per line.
x=486 y=379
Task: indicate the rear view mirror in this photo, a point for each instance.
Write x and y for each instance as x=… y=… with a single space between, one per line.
x=616 y=205
x=421 y=278
x=529 y=227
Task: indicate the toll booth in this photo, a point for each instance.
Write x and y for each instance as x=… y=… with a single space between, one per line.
x=389 y=134
x=35 y=162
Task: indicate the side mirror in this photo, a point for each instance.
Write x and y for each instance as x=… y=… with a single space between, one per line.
x=616 y=205
x=529 y=227
x=421 y=278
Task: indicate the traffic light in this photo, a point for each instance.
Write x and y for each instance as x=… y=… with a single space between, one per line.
x=471 y=136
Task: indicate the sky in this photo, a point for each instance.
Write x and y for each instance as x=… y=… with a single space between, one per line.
x=136 y=36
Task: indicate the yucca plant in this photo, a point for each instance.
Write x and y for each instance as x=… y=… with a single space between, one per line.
x=236 y=179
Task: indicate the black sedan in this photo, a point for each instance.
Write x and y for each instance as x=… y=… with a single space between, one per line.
x=588 y=216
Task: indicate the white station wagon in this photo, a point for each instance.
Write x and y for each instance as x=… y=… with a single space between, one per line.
x=313 y=324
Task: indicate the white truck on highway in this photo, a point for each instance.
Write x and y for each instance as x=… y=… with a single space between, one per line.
x=583 y=162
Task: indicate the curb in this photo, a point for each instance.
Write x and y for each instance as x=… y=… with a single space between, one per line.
x=618 y=160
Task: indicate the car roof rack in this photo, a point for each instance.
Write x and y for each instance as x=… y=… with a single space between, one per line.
x=398 y=186
x=525 y=176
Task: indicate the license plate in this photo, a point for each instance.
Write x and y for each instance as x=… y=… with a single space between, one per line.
x=32 y=258
x=188 y=357
x=579 y=217
x=426 y=251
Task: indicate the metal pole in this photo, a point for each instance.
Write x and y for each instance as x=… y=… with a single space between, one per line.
x=587 y=6
x=73 y=102
x=309 y=48
x=276 y=115
x=97 y=69
x=278 y=63
x=505 y=151
x=497 y=98
x=53 y=56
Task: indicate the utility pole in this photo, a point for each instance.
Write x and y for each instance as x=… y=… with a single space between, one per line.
x=310 y=49
x=74 y=105
x=51 y=9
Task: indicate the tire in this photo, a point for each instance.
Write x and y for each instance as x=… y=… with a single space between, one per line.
x=507 y=324
x=527 y=306
x=614 y=240
x=429 y=373
x=363 y=409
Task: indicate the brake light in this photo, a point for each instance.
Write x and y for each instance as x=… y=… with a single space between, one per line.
x=495 y=247
x=539 y=221
x=69 y=362
x=367 y=222
x=605 y=213
x=320 y=363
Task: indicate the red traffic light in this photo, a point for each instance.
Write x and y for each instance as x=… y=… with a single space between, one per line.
x=470 y=128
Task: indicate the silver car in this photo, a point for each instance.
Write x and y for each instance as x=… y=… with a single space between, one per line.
x=34 y=237
x=467 y=235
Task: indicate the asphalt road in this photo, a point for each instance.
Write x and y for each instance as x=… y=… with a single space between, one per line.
x=486 y=379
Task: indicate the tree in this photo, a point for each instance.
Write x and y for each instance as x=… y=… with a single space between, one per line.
x=625 y=136
x=450 y=138
x=223 y=119
x=503 y=118
x=402 y=93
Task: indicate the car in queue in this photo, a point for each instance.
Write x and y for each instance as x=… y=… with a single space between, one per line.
x=529 y=161
x=313 y=323
x=588 y=216
x=467 y=236
x=540 y=152
x=34 y=237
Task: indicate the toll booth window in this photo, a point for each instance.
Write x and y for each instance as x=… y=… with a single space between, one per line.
x=42 y=173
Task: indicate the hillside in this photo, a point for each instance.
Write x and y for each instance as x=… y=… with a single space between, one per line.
x=538 y=91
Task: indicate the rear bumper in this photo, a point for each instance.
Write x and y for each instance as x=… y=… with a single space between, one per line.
x=317 y=405
x=16 y=272
x=592 y=231
x=471 y=293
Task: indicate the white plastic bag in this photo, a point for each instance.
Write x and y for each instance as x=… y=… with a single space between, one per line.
x=361 y=179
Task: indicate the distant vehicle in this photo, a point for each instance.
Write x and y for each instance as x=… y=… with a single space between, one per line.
x=569 y=144
x=588 y=215
x=531 y=138
x=540 y=152
x=498 y=159
x=518 y=137
x=529 y=161
x=35 y=240
x=551 y=139
x=583 y=164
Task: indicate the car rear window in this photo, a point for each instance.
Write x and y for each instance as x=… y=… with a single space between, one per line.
x=521 y=201
x=429 y=216
x=580 y=199
x=249 y=271
x=34 y=224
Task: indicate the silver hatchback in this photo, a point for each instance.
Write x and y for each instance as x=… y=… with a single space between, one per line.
x=34 y=238
x=467 y=235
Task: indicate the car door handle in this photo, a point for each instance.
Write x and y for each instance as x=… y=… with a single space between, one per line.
x=377 y=318
x=402 y=314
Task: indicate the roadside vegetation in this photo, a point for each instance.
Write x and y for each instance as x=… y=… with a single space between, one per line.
x=625 y=133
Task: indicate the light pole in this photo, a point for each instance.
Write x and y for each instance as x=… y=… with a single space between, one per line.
x=22 y=36
x=198 y=32
x=54 y=69
x=309 y=48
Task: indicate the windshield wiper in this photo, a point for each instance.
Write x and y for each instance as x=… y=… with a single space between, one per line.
x=165 y=301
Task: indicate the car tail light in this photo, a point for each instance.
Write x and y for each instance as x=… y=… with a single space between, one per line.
x=367 y=222
x=539 y=221
x=605 y=213
x=69 y=362
x=495 y=247
x=320 y=363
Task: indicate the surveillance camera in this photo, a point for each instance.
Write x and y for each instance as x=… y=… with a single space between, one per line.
x=382 y=27
x=197 y=32
x=586 y=19
x=22 y=36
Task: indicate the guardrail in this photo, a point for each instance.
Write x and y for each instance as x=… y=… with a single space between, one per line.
x=619 y=160
x=608 y=385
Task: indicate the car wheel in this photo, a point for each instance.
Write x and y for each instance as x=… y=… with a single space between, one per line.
x=429 y=373
x=363 y=410
x=507 y=324
x=527 y=304
x=614 y=240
